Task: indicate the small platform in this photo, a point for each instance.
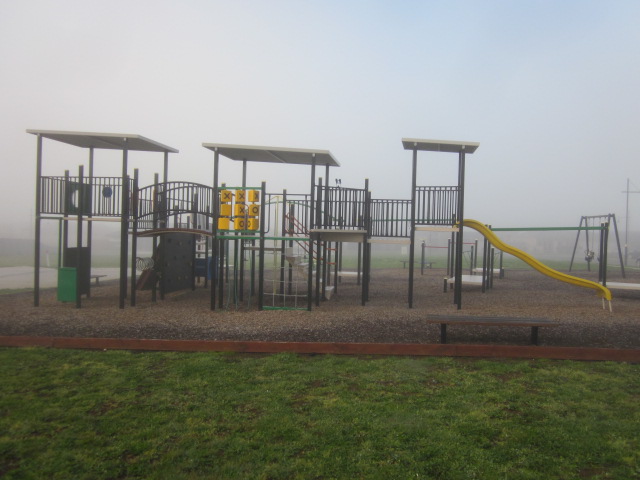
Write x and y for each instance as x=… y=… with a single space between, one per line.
x=97 y=279
x=496 y=271
x=348 y=274
x=623 y=286
x=466 y=280
x=533 y=323
x=338 y=235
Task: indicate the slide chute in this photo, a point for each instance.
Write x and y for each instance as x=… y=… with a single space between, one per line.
x=603 y=291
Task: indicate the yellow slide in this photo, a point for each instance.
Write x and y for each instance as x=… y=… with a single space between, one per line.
x=603 y=292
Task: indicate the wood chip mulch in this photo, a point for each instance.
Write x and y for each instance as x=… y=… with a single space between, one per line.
x=385 y=319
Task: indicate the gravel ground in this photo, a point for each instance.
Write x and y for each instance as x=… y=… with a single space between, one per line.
x=386 y=318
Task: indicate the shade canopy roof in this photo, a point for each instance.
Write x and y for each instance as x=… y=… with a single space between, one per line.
x=293 y=156
x=451 y=146
x=109 y=141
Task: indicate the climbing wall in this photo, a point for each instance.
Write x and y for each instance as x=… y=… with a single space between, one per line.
x=177 y=261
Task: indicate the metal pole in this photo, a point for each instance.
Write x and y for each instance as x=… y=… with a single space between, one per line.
x=165 y=169
x=475 y=256
x=215 y=206
x=575 y=245
x=90 y=215
x=605 y=247
x=65 y=223
x=154 y=254
x=460 y=215
x=241 y=263
x=283 y=245
x=626 y=228
x=311 y=226
x=359 y=266
x=134 y=236
x=413 y=221
x=615 y=231
x=124 y=225
x=165 y=180
x=263 y=209
x=326 y=267
x=366 y=246
x=79 y=265
x=36 y=253
x=291 y=227
x=194 y=237
x=59 y=243
x=485 y=258
x=319 y=246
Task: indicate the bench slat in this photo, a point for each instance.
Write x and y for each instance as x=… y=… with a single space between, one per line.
x=534 y=323
x=489 y=321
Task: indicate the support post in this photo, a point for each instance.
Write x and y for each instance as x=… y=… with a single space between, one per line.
x=124 y=225
x=263 y=210
x=283 y=246
x=194 y=237
x=79 y=266
x=154 y=254
x=615 y=231
x=485 y=259
x=215 y=214
x=311 y=226
x=134 y=236
x=240 y=264
x=90 y=215
x=290 y=269
x=460 y=237
x=36 y=253
x=575 y=245
x=320 y=251
x=413 y=222
x=65 y=222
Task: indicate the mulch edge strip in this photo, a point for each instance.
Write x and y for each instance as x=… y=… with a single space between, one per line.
x=409 y=349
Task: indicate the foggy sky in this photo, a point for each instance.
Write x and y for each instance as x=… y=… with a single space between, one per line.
x=548 y=88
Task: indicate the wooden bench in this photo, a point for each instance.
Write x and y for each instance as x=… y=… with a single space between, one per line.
x=534 y=323
x=97 y=279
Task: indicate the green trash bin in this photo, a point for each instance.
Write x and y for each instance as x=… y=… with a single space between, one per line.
x=67 y=284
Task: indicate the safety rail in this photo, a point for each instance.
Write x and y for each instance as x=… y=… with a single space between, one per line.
x=436 y=205
x=174 y=198
x=343 y=208
x=66 y=195
x=390 y=218
x=298 y=207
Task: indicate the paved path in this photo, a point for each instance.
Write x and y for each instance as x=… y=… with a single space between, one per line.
x=22 y=277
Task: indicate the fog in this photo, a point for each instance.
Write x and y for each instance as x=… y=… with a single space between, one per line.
x=549 y=89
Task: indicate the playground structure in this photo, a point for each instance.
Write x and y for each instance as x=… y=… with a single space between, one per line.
x=225 y=233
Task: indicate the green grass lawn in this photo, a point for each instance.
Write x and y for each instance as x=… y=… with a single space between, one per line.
x=116 y=414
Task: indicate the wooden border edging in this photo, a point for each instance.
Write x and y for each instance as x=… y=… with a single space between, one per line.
x=417 y=349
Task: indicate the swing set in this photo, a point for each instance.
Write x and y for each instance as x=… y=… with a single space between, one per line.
x=590 y=225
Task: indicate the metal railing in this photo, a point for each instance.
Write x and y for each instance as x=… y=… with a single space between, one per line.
x=436 y=205
x=390 y=218
x=65 y=195
x=174 y=198
x=343 y=208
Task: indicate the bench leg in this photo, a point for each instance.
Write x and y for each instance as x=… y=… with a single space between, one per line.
x=534 y=335
x=443 y=333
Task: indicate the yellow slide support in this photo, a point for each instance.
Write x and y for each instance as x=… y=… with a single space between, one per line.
x=603 y=292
